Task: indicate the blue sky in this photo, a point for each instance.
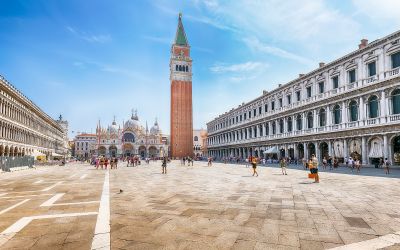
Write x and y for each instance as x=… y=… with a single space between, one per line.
x=94 y=59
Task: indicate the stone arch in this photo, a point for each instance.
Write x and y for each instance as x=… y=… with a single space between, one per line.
x=375 y=147
x=395 y=148
x=153 y=152
x=102 y=150
x=311 y=148
x=142 y=151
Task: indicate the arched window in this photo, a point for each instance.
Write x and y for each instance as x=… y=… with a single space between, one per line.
x=187 y=68
x=396 y=102
x=180 y=67
x=196 y=138
x=310 y=120
x=336 y=114
x=353 y=108
x=299 y=123
x=289 y=124
x=373 y=106
x=322 y=118
x=267 y=129
x=281 y=126
x=261 y=130
x=176 y=68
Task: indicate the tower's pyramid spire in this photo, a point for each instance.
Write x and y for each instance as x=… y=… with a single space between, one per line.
x=180 y=37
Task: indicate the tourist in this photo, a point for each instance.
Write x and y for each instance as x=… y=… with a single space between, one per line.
x=381 y=163
x=330 y=163
x=305 y=163
x=97 y=163
x=387 y=166
x=335 y=162
x=350 y=163
x=101 y=162
x=106 y=162
x=324 y=163
x=283 y=166
x=164 y=165
x=247 y=162
x=357 y=164
x=115 y=163
x=314 y=166
x=254 y=165
x=263 y=161
x=209 y=163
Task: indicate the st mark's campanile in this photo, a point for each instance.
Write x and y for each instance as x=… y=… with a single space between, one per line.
x=181 y=95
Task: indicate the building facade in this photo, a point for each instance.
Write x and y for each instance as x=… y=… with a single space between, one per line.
x=131 y=140
x=24 y=128
x=347 y=108
x=85 y=145
x=199 y=142
x=181 y=95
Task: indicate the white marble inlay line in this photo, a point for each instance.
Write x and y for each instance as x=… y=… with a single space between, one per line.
x=101 y=239
x=8 y=233
x=13 y=206
x=373 y=244
x=50 y=202
x=51 y=187
x=37 y=182
x=83 y=176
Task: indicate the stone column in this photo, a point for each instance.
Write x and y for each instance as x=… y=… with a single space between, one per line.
x=345 y=149
x=330 y=148
x=361 y=108
x=304 y=120
x=317 y=151
x=328 y=116
x=258 y=130
x=382 y=105
x=305 y=151
x=385 y=147
x=344 y=114
x=315 y=120
x=285 y=127
x=296 y=151
x=364 y=150
x=264 y=129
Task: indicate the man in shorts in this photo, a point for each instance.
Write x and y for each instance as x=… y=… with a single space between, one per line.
x=254 y=165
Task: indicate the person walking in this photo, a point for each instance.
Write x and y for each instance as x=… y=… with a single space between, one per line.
x=97 y=162
x=254 y=165
x=324 y=163
x=115 y=163
x=357 y=164
x=106 y=163
x=387 y=166
x=283 y=166
x=101 y=162
x=350 y=163
x=305 y=164
x=314 y=168
x=164 y=165
x=330 y=163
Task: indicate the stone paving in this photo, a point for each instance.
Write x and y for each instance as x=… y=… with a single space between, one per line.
x=199 y=207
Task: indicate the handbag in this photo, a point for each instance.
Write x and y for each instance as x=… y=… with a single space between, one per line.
x=311 y=176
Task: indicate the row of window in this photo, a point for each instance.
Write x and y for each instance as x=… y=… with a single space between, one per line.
x=309 y=93
x=372 y=108
x=183 y=68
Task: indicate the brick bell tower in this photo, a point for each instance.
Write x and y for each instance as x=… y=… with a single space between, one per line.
x=181 y=95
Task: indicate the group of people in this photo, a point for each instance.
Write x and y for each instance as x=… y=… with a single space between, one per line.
x=188 y=159
x=103 y=162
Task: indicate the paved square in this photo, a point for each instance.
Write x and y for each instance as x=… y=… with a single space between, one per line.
x=199 y=207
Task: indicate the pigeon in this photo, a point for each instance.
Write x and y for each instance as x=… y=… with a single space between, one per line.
x=120 y=191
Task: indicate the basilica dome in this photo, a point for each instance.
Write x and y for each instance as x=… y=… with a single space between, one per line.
x=155 y=129
x=133 y=122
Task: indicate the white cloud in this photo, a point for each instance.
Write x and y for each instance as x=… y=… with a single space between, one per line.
x=383 y=9
x=255 y=44
x=100 y=38
x=164 y=40
x=237 y=68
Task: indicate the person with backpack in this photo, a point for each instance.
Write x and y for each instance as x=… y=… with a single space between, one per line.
x=254 y=165
x=164 y=165
x=314 y=168
x=387 y=166
x=283 y=164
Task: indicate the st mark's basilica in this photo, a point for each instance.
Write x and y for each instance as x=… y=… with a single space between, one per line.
x=130 y=139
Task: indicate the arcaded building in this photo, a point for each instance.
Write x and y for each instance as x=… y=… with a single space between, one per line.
x=181 y=95
x=346 y=108
x=25 y=129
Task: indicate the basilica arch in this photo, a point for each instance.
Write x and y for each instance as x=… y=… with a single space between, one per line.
x=153 y=152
